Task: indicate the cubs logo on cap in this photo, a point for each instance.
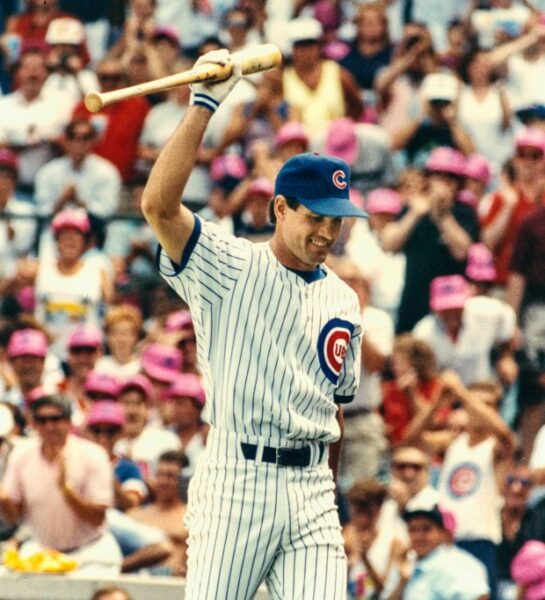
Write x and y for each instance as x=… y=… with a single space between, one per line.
x=333 y=343
x=318 y=182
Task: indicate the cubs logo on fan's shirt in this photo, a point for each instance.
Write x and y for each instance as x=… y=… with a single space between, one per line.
x=464 y=480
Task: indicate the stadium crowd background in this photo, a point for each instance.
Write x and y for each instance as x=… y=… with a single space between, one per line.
x=439 y=108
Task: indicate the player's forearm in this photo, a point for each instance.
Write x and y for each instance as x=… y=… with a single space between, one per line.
x=336 y=447
x=169 y=175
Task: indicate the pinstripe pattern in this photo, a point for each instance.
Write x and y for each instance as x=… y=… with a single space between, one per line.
x=259 y=327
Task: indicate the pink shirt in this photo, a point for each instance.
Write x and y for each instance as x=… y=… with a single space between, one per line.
x=32 y=480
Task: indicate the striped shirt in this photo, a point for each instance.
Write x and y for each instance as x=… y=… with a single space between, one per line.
x=276 y=350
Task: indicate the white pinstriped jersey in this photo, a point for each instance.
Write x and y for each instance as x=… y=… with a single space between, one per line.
x=276 y=352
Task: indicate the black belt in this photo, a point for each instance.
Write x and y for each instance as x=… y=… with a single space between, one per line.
x=283 y=457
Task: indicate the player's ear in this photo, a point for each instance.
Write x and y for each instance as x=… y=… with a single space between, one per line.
x=280 y=206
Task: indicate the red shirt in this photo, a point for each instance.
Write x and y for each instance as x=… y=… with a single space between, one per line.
x=397 y=409
x=504 y=249
x=119 y=126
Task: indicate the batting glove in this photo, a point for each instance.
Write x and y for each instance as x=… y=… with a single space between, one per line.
x=209 y=93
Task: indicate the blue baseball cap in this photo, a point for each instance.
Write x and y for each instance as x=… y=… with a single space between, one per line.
x=320 y=183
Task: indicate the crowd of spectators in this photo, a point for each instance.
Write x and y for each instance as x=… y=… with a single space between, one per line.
x=439 y=108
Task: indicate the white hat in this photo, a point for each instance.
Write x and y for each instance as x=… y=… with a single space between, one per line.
x=304 y=28
x=65 y=31
x=439 y=86
x=6 y=420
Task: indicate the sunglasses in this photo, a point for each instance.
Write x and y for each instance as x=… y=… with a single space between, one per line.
x=83 y=350
x=44 y=419
x=403 y=466
x=524 y=481
x=86 y=137
x=109 y=431
x=530 y=154
x=109 y=76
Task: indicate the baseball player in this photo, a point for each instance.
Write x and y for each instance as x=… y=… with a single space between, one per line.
x=278 y=341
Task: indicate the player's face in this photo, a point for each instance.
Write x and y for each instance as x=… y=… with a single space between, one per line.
x=303 y=238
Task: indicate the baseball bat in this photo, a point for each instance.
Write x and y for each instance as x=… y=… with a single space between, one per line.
x=253 y=59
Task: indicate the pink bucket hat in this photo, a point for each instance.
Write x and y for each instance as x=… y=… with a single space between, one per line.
x=448 y=292
x=162 y=362
x=71 y=217
x=531 y=137
x=85 y=336
x=106 y=412
x=181 y=319
x=291 y=132
x=27 y=342
x=187 y=385
x=446 y=160
x=477 y=167
x=228 y=165
x=528 y=569
x=137 y=382
x=480 y=263
x=341 y=140
x=261 y=186
x=384 y=200
x=101 y=383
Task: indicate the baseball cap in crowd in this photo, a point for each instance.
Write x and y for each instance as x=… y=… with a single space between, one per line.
x=384 y=200
x=161 y=362
x=187 y=385
x=446 y=160
x=228 y=170
x=71 y=217
x=440 y=516
x=480 y=264
x=528 y=569
x=327 y=13
x=65 y=30
x=167 y=32
x=293 y=131
x=439 y=86
x=180 y=319
x=531 y=137
x=341 y=140
x=27 y=342
x=448 y=292
x=85 y=335
x=478 y=167
x=106 y=412
x=137 y=382
x=101 y=385
x=57 y=400
x=304 y=29
x=262 y=186
x=7 y=422
x=9 y=160
x=531 y=112
x=320 y=183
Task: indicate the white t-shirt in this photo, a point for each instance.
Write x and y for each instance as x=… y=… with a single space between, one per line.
x=485 y=323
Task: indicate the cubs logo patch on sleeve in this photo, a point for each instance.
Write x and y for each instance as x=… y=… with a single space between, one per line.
x=333 y=343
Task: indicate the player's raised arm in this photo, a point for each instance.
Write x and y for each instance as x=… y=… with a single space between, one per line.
x=171 y=221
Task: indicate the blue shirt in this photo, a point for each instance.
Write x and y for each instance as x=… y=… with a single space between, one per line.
x=447 y=573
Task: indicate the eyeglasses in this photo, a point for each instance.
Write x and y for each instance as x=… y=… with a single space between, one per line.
x=44 y=419
x=403 y=466
x=83 y=350
x=529 y=154
x=109 y=431
x=524 y=481
x=86 y=137
x=109 y=76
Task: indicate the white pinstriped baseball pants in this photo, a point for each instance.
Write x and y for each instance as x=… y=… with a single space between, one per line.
x=252 y=522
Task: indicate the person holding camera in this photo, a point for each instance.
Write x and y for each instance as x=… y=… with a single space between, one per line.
x=66 y=59
x=437 y=125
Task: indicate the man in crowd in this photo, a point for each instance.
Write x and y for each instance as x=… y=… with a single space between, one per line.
x=60 y=486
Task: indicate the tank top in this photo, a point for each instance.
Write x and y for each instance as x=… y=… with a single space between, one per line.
x=318 y=106
x=467 y=487
x=66 y=300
